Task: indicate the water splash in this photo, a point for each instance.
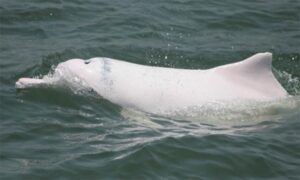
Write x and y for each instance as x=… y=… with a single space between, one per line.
x=288 y=81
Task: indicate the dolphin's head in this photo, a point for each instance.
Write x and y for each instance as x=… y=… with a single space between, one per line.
x=71 y=67
x=77 y=70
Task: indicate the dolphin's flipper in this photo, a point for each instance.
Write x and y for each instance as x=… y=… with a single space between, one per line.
x=139 y=118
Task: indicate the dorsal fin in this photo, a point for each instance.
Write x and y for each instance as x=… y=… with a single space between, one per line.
x=254 y=65
x=255 y=72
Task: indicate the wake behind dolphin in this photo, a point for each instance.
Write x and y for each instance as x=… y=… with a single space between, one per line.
x=162 y=91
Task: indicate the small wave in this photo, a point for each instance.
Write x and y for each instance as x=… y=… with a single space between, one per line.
x=288 y=81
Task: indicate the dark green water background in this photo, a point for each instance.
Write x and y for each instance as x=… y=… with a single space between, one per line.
x=49 y=134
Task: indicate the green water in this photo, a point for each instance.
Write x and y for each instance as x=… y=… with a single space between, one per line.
x=56 y=134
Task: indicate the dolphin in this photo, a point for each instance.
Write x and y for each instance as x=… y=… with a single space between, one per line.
x=159 y=90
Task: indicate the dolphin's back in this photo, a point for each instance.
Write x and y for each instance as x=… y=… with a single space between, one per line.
x=156 y=88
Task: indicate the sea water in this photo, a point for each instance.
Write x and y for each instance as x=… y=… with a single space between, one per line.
x=58 y=133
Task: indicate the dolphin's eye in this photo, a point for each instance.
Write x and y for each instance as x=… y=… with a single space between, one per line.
x=87 y=62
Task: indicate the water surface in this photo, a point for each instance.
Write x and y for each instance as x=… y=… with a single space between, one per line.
x=57 y=134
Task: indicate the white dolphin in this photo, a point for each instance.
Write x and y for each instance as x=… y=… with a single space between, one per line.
x=159 y=90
